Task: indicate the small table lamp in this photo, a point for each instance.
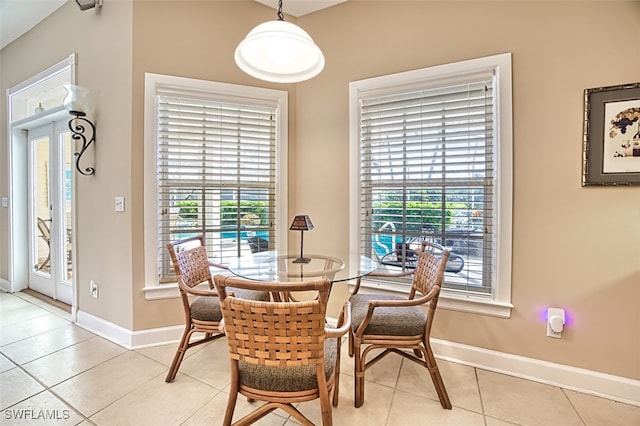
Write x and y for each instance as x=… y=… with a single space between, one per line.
x=301 y=223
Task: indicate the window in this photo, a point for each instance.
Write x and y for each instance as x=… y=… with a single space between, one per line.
x=433 y=150
x=213 y=162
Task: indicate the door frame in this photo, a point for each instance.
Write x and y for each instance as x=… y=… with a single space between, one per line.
x=54 y=284
x=18 y=272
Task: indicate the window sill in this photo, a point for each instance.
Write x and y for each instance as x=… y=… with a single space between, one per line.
x=451 y=301
x=475 y=305
x=163 y=291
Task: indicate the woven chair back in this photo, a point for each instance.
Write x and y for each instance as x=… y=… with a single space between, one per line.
x=427 y=275
x=283 y=334
x=191 y=266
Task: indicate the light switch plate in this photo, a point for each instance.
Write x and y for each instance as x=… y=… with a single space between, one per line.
x=119 y=203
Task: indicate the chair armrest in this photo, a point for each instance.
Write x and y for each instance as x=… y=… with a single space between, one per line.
x=391 y=274
x=200 y=292
x=344 y=323
x=397 y=303
x=218 y=265
x=381 y=274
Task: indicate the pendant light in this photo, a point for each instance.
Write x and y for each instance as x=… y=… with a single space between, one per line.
x=280 y=52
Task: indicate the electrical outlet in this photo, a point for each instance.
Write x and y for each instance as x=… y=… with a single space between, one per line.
x=555 y=322
x=93 y=287
x=119 y=203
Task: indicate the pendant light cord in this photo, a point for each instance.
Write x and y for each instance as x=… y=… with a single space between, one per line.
x=280 y=15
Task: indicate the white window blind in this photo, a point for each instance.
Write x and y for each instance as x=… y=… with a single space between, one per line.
x=427 y=173
x=216 y=174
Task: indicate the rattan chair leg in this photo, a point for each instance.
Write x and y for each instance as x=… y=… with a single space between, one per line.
x=233 y=396
x=289 y=408
x=256 y=415
x=177 y=359
x=359 y=366
x=325 y=403
x=336 y=375
x=351 y=337
x=436 y=377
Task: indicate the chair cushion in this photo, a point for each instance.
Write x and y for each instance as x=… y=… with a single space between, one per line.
x=403 y=321
x=207 y=308
x=263 y=296
x=288 y=379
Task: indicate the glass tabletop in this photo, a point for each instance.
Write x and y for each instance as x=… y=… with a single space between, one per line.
x=277 y=266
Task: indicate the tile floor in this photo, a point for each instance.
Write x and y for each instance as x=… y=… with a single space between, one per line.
x=53 y=372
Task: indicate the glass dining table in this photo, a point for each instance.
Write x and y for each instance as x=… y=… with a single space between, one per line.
x=274 y=266
x=285 y=266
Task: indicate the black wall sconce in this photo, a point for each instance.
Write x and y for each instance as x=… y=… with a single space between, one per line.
x=88 y=4
x=77 y=102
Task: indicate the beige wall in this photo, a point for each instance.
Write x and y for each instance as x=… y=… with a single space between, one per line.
x=102 y=41
x=573 y=247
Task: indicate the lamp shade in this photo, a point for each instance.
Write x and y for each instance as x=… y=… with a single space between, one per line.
x=301 y=223
x=280 y=52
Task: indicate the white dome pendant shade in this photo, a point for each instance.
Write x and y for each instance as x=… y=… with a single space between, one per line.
x=279 y=52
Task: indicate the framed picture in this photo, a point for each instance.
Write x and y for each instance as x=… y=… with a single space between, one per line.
x=611 y=140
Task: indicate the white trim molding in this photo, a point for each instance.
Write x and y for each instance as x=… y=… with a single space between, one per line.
x=127 y=338
x=608 y=386
x=5 y=285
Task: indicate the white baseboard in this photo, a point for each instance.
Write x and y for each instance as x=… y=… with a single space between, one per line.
x=127 y=338
x=106 y=329
x=581 y=380
x=5 y=285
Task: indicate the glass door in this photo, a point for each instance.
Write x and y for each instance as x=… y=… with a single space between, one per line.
x=50 y=199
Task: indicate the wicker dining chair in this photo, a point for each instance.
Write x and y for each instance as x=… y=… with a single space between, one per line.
x=202 y=313
x=281 y=352
x=399 y=325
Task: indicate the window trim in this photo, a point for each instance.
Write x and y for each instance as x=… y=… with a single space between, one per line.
x=153 y=289
x=499 y=303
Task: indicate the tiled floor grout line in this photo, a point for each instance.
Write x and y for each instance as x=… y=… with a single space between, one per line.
x=484 y=415
x=564 y=393
x=41 y=383
x=50 y=388
x=73 y=407
x=394 y=394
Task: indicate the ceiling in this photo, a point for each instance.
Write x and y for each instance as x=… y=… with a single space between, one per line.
x=300 y=7
x=19 y=16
